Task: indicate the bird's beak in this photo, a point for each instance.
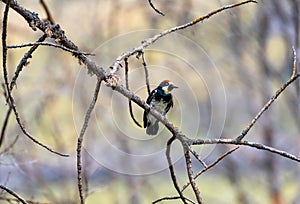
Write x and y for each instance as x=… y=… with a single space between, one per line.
x=174 y=86
x=171 y=87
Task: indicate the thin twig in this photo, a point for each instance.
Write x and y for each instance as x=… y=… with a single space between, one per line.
x=19 y=68
x=35 y=22
x=4 y=126
x=188 y=161
x=129 y=101
x=4 y=56
x=49 y=16
x=267 y=105
x=11 y=192
x=10 y=145
x=80 y=140
x=171 y=198
x=24 y=61
x=294 y=62
x=10 y=97
x=155 y=9
x=245 y=143
x=171 y=168
x=15 y=200
x=146 y=72
x=51 y=45
x=197 y=156
x=150 y=41
x=209 y=167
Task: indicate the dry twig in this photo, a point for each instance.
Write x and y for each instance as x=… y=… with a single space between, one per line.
x=150 y=41
x=129 y=101
x=14 y=194
x=155 y=9
x=80 y=139
x=171 y=168
x=55 y=32
x=188 y=161
x=9 y=94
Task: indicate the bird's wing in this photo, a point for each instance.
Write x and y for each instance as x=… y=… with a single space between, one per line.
x=169 y=105
x=148 y=101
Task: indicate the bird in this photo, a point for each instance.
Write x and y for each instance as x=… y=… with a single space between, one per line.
x=161 y=100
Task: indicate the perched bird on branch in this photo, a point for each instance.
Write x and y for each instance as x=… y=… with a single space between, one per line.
x=160 y=99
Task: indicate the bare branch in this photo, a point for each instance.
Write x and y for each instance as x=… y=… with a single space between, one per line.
x=294 y=62
x=11 y=192
x=49 y=16
x=10 y=145
x=171 y=198
x=19 y=68
x=113 y=81
x=245 y=143
x=129 y=101
x=80 y=140
x=5 y=74
x=188 y=161
x=150 y=41
x=146 y=73
x=24 y=61
x=267 y=105
x=5 y=122
x=197 y=156
x=209 y=167
x=51 y=45
x=171 y=168
x=155 y=9
x=15 y=200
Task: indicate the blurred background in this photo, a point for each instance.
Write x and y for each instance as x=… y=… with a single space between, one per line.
x=227 y=68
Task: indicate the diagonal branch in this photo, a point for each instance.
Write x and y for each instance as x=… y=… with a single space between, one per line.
x=11 y=192
x=209 y=167
x=24 y=61
x=150 y=41
x=197 y=156
x=267 y=105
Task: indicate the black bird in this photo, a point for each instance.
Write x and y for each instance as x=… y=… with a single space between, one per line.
x=160 y=99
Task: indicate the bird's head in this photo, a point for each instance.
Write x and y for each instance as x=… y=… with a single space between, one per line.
x=167 y=86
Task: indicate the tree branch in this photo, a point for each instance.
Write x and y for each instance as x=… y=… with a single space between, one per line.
x=9 y=95
x=74 y=52
x=129 y=101
x=188 y=161
x=150 y=41
x=155 y=9
x=268 y=104
x=171 y=168
x=80 y=140
x=245 y=143
x=209 y=167
x=11 y=192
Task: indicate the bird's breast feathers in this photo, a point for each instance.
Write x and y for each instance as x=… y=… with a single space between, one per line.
x=160 y=106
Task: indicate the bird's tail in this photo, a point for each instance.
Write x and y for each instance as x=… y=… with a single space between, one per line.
x=152 y=129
